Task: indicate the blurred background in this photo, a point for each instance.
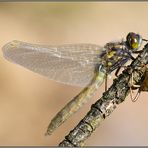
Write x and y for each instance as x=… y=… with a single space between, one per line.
x=29 y=101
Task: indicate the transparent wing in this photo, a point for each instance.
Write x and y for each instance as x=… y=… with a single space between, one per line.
x=71 y=64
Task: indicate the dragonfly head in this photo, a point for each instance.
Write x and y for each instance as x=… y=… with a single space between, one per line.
x=133 y=41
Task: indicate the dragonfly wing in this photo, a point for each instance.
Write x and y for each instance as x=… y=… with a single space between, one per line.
x=71 y=64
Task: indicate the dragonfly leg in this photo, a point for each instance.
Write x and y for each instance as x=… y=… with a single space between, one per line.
x=133 y=87
x=117 y=72
x=118 y=69
x=137 y=52
x=106 y=82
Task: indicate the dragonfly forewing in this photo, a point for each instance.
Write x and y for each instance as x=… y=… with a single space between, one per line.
x=71 y=64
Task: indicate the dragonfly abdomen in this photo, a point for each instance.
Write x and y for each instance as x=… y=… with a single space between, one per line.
x=75 y=104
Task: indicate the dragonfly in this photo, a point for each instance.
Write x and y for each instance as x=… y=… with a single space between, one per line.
x=84 y=65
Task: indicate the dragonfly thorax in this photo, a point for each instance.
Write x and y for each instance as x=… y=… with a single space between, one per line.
x=114 y=56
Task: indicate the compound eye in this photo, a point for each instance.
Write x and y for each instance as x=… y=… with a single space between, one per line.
x=134 y=40
x=134 y=43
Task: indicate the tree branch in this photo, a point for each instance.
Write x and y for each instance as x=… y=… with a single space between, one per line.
x=115 y=95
